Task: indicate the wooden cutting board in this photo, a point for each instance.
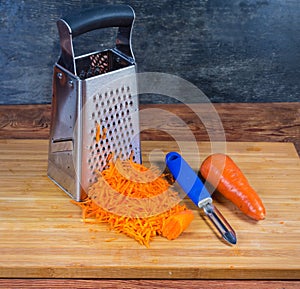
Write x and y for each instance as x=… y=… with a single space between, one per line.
x=43 y=236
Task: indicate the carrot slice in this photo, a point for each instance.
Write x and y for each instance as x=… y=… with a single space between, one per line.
x=176 y=224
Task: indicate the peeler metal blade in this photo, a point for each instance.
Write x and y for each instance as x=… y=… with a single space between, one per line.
x=195 y=189
x=220 y=223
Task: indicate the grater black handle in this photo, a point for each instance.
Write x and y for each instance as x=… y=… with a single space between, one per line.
x=105 y=16
x=102 y=17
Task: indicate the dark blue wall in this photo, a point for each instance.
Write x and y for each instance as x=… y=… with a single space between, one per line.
x=235 y=51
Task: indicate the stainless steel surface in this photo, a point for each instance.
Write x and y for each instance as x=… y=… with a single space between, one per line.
x=220 y=223
x=98 y=88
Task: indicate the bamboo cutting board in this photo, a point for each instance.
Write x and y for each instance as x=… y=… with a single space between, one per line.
x=43 y=236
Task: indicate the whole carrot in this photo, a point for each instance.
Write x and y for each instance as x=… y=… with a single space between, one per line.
x=221 y=172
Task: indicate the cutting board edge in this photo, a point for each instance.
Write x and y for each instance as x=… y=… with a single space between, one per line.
x=155 y=272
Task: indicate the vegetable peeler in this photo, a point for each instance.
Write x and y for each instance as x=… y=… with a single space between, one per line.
x=195 y=189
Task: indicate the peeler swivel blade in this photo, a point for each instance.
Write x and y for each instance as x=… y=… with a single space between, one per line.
x=196 y=191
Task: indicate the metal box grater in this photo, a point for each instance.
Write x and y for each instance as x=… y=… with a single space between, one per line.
x=96 y=89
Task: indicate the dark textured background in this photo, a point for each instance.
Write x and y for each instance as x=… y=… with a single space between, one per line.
x=235 y=51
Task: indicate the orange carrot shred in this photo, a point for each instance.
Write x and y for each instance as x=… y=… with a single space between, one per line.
x=104 y=133
x=135 y=201
x=97 y=132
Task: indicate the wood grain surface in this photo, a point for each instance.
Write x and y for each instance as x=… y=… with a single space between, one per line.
x=42 y=235
x=145 y=284
x=275 y=122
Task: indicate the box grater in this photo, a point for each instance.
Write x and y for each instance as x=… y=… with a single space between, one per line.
x=91 y=93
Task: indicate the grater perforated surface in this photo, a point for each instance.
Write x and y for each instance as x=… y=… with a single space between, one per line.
x=112 y=111
x=92 y=65
x=114 y=108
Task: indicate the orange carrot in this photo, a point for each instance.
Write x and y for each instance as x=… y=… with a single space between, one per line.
x=104 y=133
x=221 y=172
x=136 y=201
x=176 y=224
x=97 y=132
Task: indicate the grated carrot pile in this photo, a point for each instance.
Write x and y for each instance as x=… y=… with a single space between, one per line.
x=136 y=201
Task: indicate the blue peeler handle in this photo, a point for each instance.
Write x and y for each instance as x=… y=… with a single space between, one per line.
x=187 y=178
